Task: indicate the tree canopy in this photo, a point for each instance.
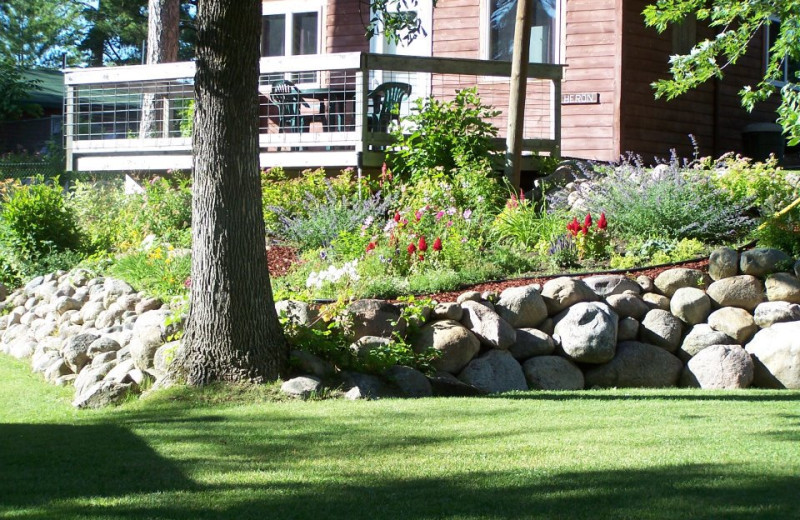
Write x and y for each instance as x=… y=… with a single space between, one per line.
x=736 y=23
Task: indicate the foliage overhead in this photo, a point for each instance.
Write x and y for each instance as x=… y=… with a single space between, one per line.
x=16 y=90
x=396 y=19
x=37 y=33
x=736 y=23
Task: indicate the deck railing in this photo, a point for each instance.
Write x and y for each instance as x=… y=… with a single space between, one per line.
x=320 y=110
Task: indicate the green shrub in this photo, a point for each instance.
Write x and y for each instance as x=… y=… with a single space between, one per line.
x=161 y=272
x=765 y=185
x=444 y=134
x=104 y=213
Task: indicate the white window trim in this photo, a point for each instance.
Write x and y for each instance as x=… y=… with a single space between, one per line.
x=485 y=30
x=290 y=8
x=767 y=29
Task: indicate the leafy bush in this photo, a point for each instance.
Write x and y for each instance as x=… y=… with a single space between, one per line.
x=672 y=202
x=765 y=185
x=104 y=213
x=161 y=272
x=444 y=134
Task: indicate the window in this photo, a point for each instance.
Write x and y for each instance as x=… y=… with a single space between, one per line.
x=790 y=66
x=291 y=28
x=498 y=35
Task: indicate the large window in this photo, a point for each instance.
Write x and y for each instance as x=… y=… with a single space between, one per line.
x=291 y=28
x=790 y=67
x=500 y=16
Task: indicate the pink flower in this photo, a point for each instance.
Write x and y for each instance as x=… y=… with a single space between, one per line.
x=437 y=244
x=439 y=216
x=418 y=215
x=467 y=214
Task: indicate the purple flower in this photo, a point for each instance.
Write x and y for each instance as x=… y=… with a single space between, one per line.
x=467 y=214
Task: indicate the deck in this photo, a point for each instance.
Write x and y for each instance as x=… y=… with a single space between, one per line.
x=139 y=118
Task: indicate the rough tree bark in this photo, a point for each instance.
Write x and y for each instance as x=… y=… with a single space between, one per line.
x=232 y=332
x=163 y=22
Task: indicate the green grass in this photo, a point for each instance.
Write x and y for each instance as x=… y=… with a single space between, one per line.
x=236 y=453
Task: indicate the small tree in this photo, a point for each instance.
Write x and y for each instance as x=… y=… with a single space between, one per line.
x=736 y=23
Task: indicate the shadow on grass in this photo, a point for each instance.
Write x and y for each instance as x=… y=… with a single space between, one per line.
x=667 y=395
x=41 y=463
x=667 y=493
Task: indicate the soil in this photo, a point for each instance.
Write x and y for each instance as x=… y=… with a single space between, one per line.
x=281 y=258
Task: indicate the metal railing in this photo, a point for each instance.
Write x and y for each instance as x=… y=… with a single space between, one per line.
x=315 y=110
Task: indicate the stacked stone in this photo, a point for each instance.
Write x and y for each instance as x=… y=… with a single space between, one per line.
x=738 y=325
x=94 y=333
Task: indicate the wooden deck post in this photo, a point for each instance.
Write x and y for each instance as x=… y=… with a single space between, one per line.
x=519 y=84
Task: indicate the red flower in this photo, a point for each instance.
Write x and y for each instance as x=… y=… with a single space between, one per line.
x=585 y=229
x=411 y=248
x=437 y=244
x=601 y=223
x=421 y=258
x=423 y=245
x=573 y=227
x=521 y=196
x=370 y=246
x=397 y=216
x=587 y=222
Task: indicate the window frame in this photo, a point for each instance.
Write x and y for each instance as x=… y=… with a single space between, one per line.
x=766 y=55
x=290 y=8
x=559 y=25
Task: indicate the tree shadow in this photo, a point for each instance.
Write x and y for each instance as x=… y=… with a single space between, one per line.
x=666 y=395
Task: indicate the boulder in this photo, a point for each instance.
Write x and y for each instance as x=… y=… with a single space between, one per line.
x=671 y=280
x=702 y=336
x=308 y=363
x=165 y=354
x=91 y=375
x=113 y=289
x=552 y=373
x=690 y=305
x=57 y=370
x=742 y=291
x=144 y=343
x=411 y=382
x=375 y=318
x=628 y=305
x=302 y=387
x=448 y=311
x=469 y=296
x=531 y=342
x=445 y=384
x=103 y=393
x=776 y=356
x=783 y=287
x=298 y=313
x=646 y=283
x=769 y=313
x=76 y=351
x=522 y=307
x=563 y=292
x=719 y=367
x=65 y=303
x=364 y=345
x=118 y=373
x=455 y=343
x=587 y=332
x=636 y=365
x=148 y=304
x=656 y=301
x=365 y=386
x=662 y=329
x=628 y=329
x=102 y=345
x=735 y=322
x=494 y=372
x=91 y=310
x=490 y=329
x=611 y=284
x=762 y=261
x=723 y=263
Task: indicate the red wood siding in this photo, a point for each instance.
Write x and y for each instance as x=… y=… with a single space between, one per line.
x=712 y=112
x=345 y=26
x=591 y=50
x=456 y=29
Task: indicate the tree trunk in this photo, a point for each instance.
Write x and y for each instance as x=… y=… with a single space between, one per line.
x=163 y=20
x=233 y=332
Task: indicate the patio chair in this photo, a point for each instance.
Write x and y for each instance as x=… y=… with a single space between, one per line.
x=287 y=98
x=386 y=99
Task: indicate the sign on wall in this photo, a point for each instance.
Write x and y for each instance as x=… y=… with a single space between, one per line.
x=581 y=98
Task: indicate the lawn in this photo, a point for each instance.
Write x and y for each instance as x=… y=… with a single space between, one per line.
x=239 y=454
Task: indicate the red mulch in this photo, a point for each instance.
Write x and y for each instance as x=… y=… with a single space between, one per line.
x=281 y=258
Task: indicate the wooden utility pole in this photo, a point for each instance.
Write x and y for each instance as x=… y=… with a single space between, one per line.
x=519 y=83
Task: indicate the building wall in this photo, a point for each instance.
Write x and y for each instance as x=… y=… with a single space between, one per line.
x=712 y=112
x=345 y=26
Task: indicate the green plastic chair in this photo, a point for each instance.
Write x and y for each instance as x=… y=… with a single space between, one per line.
x=287 y=98
x=386 y=99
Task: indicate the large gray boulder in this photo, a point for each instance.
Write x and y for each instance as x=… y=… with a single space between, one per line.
x=103 y=393
x=721 y=367
x=656 y=301
x=636 y=365
x=735 y=322
x=552 y=373
x=366 y=386
x=147 y=337
x=776 y=355
x=302 y=387
x=522 y=307
x=492 y=330
x=769 y=313
x=702 y=336
x=671 y=280
x=742 y=291
x=376 y=318
x=411 y=382
x=448 y=311
x=763 y=261
x=76 y=351
x=298 y=313
x=494 y=372
x=690 y=305
x=455 y=343
x=628 y=305
x=531 y=342
x=587 y=332
x=611 y=284
x=662 y=329
x=723 y=263
x=563 y=292
x=628 y=329
x=783 y=287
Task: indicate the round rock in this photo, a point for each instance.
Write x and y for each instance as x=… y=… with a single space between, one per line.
x=560 y=293
x=719 y=367
x=763 y=261
x=636 y=365
x=769 y=313
x=662 y=329
x=690 y=305
x=742 y=291
x=552 y=373
x=783 y=287
x=455 y=343
x=494 y=372
x=587 y=332
x=522 y=307
x=776 y=355
x=735 y=322
x=723 y=263
x=702 y=336
x=671 y=280
x=628 y=305
x=490 y=329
